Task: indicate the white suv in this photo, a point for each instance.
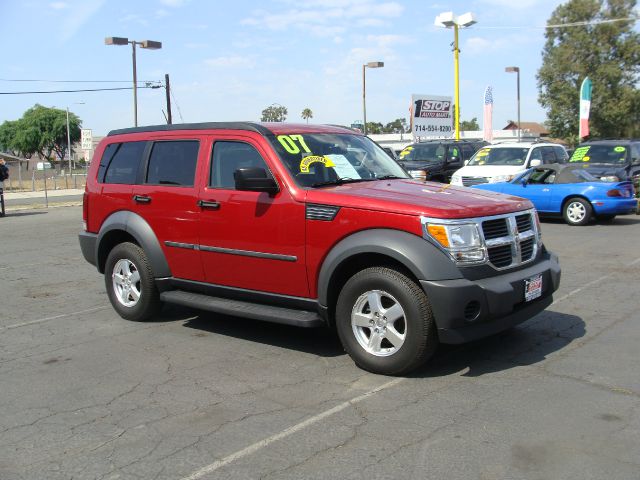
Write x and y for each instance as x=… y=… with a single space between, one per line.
x=503 y=161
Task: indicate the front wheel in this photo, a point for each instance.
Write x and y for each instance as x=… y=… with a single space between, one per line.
x=384 y=321
x=130 y=283
x=577 y=211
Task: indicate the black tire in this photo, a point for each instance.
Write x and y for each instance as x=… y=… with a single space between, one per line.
x=140 y=283
x=577 y=211
x=388 y=288
x=608 y=218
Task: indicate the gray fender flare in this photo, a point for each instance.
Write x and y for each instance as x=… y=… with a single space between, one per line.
x=139 y=229
x=423 y=259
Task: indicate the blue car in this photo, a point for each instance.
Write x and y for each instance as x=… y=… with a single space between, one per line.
x=570 y=191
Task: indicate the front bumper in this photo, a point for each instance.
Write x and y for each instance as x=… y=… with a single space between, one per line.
x=466 y=310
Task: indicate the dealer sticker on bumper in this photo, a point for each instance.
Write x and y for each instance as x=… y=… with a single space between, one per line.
x=533 y=288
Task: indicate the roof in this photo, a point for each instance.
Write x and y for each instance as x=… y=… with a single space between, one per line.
x=263 y=128
x=610 y=141
x=521 y=145
x=533 y=127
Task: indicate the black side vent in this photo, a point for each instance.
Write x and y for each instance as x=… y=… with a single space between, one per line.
x=495 y=228
x=325 y=213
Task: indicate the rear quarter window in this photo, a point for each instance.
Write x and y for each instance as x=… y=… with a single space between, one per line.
x=120 y=163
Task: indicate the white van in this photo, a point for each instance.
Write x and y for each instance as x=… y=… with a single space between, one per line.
x=503 y=161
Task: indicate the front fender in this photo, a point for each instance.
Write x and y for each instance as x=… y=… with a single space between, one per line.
x=138 y=228
x=424 y=260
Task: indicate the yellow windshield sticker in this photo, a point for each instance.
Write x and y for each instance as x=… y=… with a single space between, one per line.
x=619 y=149
x=307 y=161
x=586 y=159
x=482 y=153
x=405 y=152
x=579 y=154
x=288 y=142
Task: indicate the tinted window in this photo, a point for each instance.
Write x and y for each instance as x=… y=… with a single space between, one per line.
x=561 y=154
x=121 y=162
x=536 y=154
x=548 y=155
x=173 y=163
x=467 y=151
x=227 y=158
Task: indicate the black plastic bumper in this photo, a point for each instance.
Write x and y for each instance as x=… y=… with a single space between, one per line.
x=88 y=246
x=466 y=310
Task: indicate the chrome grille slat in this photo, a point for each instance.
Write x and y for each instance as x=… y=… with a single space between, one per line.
x=510 y=239
x=468 y=181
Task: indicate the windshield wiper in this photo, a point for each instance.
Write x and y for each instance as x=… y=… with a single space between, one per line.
x=341 y=181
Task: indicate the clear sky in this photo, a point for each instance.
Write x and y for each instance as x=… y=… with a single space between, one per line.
x=229 y=60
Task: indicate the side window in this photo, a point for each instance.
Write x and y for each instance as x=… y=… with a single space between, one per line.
x=561 y=154
x=467 y=152
x=228 y=157
x=121 y=162
x=454 y=152
x=173 y=163
x=548 y=155
x=635 y=152
x=536 y=154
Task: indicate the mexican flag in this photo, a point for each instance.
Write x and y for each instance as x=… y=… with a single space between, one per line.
x=585 y=105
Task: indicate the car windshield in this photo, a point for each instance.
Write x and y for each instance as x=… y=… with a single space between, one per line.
x=430 y=153
x=500 y=156
x=609 y=154
x=320 y=159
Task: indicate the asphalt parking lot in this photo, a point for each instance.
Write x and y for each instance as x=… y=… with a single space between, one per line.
x=87 y=395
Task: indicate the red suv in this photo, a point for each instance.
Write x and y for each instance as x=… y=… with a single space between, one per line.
x=309 y=226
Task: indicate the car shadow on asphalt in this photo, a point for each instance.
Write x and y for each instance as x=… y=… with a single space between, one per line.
x=316 y=341
x=527 y=344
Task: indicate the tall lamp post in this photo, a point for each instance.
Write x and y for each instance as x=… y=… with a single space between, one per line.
x=148 y=44
x=517 y=71
x=69 y=135
x=449 y=20
x=364 y=89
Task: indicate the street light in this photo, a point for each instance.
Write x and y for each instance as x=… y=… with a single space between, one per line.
x=517 y=70
x=69 y=134
x=449 y=20
x=364 y=89
x=148 y=44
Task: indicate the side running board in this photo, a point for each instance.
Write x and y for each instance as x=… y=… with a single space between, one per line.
x=268 y=313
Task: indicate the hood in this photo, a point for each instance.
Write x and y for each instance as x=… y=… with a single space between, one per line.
x=490 y=170
x=410 y=197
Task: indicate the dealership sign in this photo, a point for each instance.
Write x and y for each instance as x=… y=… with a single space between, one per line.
x=432 y=116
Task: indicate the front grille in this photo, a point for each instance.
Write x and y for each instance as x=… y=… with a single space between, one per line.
x=511 y=239
x=523 y=222
x=501 y=256
x=468 y=181
x=495 y=228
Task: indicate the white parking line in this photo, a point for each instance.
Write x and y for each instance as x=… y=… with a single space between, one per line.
x=289 y=431
x=42 y=320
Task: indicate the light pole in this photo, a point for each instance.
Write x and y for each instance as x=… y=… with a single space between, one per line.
x=517 y=70
x=449 y=20
x=69 y=135
x=148 y=44
x=364 y=89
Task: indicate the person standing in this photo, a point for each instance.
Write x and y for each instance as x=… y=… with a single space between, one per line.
x=4 y=174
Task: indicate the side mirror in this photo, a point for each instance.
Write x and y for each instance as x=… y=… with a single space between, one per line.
x=454 y=159
x=535 y=163
x=254 y=180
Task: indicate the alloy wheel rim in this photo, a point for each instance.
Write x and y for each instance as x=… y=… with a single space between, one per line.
x=126 y=282
x=378 y=322
x=576 y=212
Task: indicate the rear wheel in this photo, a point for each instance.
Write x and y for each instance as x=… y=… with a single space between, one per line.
x=577 y=211
x=130 y=283
x=384 y=321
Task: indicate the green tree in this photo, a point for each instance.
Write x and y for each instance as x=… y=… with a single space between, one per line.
x=470 y=125
x=606 y=51
x=374 y=127
x=307 y=114
x=274 y=113
x=399 y=125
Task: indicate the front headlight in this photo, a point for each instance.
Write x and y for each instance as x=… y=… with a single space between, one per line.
x=610 y=178
x=461 y=240
x=501 y=178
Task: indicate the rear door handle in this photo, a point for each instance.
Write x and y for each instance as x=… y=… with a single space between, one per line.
x=141 y=199
x=213 y=205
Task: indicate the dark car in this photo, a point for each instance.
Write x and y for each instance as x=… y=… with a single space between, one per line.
x=437 y=160
x=611 y=160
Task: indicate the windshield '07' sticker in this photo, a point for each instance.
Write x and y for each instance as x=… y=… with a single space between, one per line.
x=619 y=149
x=580 y=154
x=288 y=142
x=306 y=161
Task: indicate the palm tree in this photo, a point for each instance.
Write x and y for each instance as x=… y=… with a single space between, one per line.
x=307 y=114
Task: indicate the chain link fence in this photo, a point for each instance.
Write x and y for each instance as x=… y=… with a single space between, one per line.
x=22 y=179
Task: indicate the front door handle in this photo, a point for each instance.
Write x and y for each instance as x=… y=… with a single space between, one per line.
x=213 y=205
x=141 y=199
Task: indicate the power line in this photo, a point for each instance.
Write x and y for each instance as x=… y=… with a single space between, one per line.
x=73 y=81
x=83 y=90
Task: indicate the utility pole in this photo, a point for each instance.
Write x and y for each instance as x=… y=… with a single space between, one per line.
x=168 y=92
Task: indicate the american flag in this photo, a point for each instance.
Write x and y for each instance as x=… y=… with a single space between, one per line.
x=488 y=114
